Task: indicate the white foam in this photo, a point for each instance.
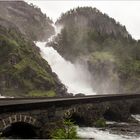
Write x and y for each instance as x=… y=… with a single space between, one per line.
x=74 y=76
x=137 y=117
x=2 y=96
x=91 y=132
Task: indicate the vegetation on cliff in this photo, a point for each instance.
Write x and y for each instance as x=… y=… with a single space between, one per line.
x=23 y=72
x=110 y=51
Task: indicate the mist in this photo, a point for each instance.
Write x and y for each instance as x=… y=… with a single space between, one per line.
x=75 y=77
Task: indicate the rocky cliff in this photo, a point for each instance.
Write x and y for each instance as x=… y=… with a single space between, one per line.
x=28 y=18
x=23 y=72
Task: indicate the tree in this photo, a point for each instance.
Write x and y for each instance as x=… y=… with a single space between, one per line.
x=67 y=132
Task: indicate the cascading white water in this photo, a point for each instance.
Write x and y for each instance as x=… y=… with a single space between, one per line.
x=75 y=76
x=136 y=117
x=89 y=132
x=2 y=96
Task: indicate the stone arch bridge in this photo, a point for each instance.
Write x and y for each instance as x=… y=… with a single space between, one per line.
x=31 y=116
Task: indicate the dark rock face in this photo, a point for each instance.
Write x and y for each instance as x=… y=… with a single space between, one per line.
x=28 y=18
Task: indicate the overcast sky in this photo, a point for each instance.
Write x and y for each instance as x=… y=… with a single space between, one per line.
x=126 y=12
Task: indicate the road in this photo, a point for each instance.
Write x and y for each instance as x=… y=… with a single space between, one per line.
x=28 y=103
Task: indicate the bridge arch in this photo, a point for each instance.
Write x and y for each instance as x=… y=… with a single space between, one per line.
x=5 y=122
x=19 y=126
x=20 y=130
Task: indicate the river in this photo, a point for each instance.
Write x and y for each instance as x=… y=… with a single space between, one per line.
x=97 y=134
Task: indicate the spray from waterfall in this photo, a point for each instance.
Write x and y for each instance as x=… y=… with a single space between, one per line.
x=75 y=77
x=2 y=96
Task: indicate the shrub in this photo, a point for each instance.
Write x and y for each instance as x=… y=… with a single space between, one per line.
x=100 y=123
x=67 y=132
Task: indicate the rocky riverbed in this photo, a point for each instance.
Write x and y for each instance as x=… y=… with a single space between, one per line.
x=129 y=129
x=112 y=131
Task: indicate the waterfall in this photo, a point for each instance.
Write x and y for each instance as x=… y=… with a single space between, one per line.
x=75 y=77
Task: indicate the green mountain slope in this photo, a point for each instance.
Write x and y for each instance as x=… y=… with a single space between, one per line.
x=110 y=51
x=23 y=72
